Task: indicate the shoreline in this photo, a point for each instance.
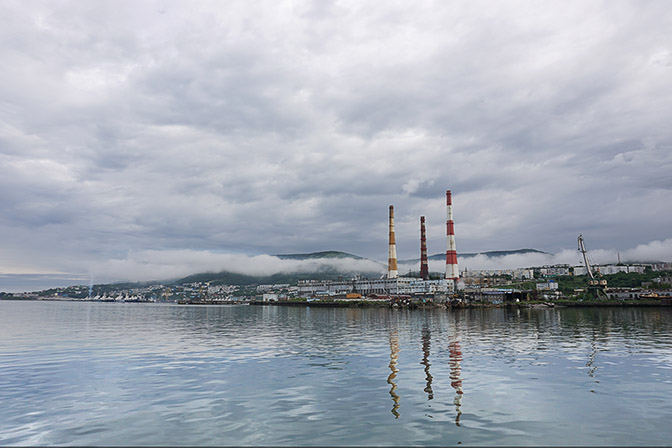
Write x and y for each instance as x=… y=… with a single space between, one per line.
x=386 y=304
x=536 y=305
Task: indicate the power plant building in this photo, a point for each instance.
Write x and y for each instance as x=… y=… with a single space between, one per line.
x=391 y=283
x=382 y=286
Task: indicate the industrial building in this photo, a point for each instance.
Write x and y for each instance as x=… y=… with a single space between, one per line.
x=382 y=286
x=391 y=284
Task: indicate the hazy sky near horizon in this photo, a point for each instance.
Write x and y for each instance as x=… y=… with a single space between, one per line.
x=137 y=135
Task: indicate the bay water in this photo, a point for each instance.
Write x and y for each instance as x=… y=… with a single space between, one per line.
x=81 y=373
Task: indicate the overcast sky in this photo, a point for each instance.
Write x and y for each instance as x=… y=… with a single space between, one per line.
x=141 y=138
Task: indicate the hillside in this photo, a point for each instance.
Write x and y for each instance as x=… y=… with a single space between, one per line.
x=318 y=255
x=492 y=253
x=324 y=270
x=321 y=271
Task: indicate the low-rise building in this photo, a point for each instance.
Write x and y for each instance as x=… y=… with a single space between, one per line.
x=611 y=269
x=550 y=285
x=624 y=293
x=553 y=271
x=269 y=297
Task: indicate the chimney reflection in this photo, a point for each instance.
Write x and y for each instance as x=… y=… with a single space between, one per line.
x=454 y=364
x=455 y=360
x=426 y=341
x=394 y=356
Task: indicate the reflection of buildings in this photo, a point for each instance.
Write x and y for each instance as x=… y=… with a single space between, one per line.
x=394 y=356
x=426 y=340
x=456 y=376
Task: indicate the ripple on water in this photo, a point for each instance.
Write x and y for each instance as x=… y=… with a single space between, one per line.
x=114 y=374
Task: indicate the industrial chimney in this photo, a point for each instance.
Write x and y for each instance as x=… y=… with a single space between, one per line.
x=392 y=260
x=451 y=254
x=424 y=266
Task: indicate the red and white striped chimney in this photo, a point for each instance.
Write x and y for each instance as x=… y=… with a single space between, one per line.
x=424 y=266
x=451 y=254
x=392 y=271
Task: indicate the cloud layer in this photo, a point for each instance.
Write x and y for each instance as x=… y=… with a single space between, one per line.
x=277 y=127
x=158 y=265
x=146 y=265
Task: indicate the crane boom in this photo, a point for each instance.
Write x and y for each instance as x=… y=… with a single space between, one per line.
x=582 y=249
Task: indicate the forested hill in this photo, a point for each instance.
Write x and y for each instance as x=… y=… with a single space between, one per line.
x=318 y=255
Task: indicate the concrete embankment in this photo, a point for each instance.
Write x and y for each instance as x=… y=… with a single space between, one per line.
x=320 y=304
x=384 y=304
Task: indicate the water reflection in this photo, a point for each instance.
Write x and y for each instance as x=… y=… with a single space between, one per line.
x=426 y=341
x=591 y=358
x=114 y=374
x=394 y=356
x=455 y=357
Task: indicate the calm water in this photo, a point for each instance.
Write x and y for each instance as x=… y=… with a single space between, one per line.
x=121 y=374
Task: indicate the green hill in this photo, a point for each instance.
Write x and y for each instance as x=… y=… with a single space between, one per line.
x=230 y=278
x=492 y=253
x=321 y=272
x=318 y=255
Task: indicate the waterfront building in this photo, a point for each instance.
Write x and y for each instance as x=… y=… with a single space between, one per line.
x=269 y=297
x=624 y=293
x=497 y=295
x=381 y=286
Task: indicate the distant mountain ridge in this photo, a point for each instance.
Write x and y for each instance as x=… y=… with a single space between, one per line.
x=322 y=271
x=338 y=254
x=319 y=255
x=491 y=253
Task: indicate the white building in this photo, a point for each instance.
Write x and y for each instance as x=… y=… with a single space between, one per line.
x=547 y=286
x=610 y=269
x=518 y=274
x=523 y=274
x=548 y=271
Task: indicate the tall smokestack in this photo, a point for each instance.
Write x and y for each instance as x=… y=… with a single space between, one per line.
x=424 y=266
x=451 y=254
x=392 y=260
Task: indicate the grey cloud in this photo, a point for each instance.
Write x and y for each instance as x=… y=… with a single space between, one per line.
x=278 y=128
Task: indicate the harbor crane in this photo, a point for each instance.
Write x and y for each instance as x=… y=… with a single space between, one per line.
x=595 y=287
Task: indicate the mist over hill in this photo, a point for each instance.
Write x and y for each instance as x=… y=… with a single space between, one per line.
x=325 y=265
x=335 y=265
x=186 y=266
x=319 y=255
x=492 y=253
